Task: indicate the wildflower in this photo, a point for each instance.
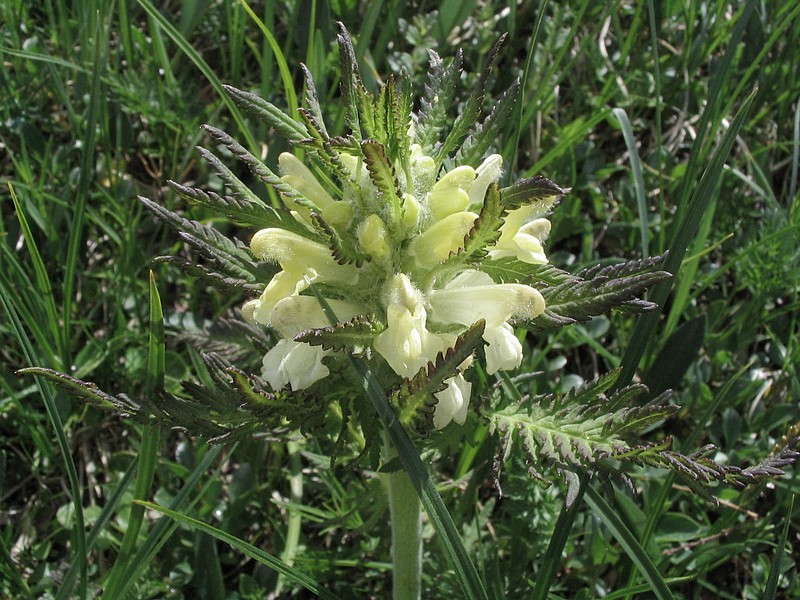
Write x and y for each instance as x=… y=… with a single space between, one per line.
x=297 y=364
x=395 y=234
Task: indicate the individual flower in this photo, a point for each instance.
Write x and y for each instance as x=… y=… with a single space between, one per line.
x=296 y=364
x=472 y=296
x=453 y=402
x=407 y=345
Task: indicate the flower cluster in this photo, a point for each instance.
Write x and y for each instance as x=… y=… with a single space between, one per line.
x=392 y=226
x=404 y=279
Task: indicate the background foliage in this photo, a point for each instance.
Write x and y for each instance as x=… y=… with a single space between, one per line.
x=624 y=103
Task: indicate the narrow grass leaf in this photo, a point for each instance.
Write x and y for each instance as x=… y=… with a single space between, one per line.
x=46 y=393
x=86 y=175
x=645 y=329
x=552 y=556
x=151 y=439
x=189 y=495
x=43 y=285
x=283 y=67
x=771 y=590
x=202 y=66
x=627 y=540
x=638 y=179
x=255 y=553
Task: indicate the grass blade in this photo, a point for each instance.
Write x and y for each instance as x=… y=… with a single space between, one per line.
x=283 y=67
x=552 y=556
x=771 y=591
x=248 y=549
x=628 y=541
x=645 y=328
x=638 y=179
x=203 y=67
x=151 y=439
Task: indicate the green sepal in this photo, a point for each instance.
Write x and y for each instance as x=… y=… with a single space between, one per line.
x=414 y=399
x=354 y=337
x=382 y=174
x=268 y=113
x=531 y=190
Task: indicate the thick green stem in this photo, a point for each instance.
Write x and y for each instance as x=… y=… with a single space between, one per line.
x=406 y=517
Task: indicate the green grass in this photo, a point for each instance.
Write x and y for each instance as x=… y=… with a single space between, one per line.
x=674 y=123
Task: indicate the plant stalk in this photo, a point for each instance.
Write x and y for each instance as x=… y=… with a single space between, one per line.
x=406 y=518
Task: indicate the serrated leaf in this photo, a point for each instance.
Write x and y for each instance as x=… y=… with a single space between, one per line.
x=242 y=211
x=312 y=101
x=486 y=229
x=320 y=144
x=85 y=390
x=239 y=189
x=209 y=242
x=472 y=108
x=579 y=429
x=220 y=280
x=581 y=299
x=354 y=337
x=480 y=140
x=437 y=100
x=351 y=86
x=381 y=173
x=342 y=248
x=268 y=113
x=234 y=261
x=511 y=270
x=531 y=190
x=415 y=397
x=257 y=168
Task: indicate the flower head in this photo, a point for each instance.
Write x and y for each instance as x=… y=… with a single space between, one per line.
x=389 y=229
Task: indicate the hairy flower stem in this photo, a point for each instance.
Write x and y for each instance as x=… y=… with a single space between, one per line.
x=406 y=518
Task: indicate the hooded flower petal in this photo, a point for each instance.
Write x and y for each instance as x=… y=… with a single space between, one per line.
x=488 y=173
x=294 y=314
x=449 y=194
x=453 y=402
x=473 y=295
x=503 y=349
x=295 y=363
x=406 y=344
x=526 y=244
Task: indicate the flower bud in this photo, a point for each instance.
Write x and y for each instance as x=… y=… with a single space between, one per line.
x=442 y=238
x=372 y=236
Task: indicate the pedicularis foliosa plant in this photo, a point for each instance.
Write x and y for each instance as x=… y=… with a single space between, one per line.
x=393 y=248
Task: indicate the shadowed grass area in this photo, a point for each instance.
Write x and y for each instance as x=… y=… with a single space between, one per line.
x=677 y=126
